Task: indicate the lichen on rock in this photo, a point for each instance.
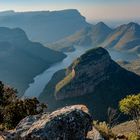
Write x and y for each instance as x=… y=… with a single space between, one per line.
x=68 y=123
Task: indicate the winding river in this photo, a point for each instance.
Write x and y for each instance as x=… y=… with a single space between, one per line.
x=41 y=80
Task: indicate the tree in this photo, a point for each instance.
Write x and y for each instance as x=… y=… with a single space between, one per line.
x=14 y=109
x=131 y=106
x=113 y=117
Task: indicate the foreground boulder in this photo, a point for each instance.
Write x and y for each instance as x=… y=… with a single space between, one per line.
x=69 y=123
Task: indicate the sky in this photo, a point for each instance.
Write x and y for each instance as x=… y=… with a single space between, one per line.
x=93 y=10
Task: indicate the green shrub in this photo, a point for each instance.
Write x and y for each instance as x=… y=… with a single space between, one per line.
x=13 y=109
x=133 y=136
x=104 y=130
x=131 y=106
x=1 y=127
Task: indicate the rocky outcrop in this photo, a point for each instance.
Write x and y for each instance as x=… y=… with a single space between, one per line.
x=90 y=69
x=69 y=123
x=98 y=82
x=94 y=72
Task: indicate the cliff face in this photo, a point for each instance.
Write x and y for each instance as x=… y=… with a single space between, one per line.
x=86 y=73
x=97 y=82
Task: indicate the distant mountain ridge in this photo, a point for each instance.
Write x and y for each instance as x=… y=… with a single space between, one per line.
x=88 y=36
x=44 y=26
x=21 y=59
x=125 y=37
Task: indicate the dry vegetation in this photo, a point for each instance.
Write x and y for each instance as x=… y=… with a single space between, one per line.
x=65 y=81
x=125 y=128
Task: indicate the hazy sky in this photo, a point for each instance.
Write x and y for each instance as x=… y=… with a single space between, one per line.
x=92 y=9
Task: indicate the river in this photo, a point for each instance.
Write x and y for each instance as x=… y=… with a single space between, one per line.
x=41 y=80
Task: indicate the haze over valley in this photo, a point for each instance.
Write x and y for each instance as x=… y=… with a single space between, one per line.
x=58 y=58
x=44 y=26
x=26 y=59
x=22 y=59
x=29 y=63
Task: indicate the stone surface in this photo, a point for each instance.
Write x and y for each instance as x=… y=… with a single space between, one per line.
x=94 y=135
x=68 y=123
x=121 y=137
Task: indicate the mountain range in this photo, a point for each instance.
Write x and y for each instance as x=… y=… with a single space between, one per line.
x=21 y=59
x=93 y=79
x=44 y=26
x=124 y=38
x=88 y=36
x=61 y=30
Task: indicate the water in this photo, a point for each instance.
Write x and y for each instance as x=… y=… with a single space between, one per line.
x=41 y=80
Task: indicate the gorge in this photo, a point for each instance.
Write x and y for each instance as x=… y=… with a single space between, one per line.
x=40 y=81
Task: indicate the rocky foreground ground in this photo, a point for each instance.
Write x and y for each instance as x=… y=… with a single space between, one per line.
x=68 y=123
